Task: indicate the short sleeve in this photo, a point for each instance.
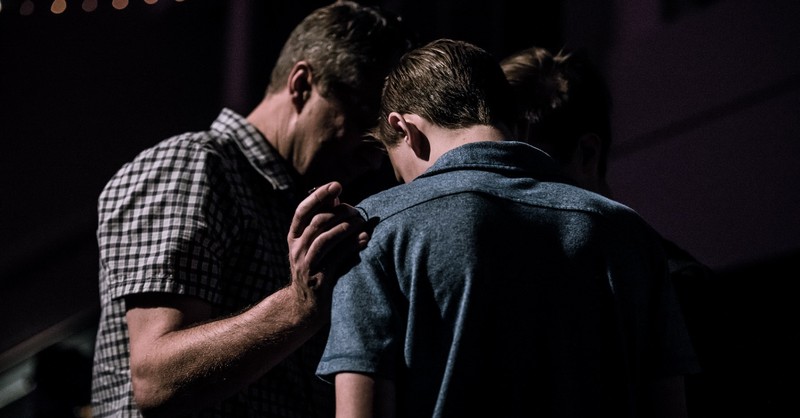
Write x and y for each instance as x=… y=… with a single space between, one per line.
x=365 y=333
x=161 y=225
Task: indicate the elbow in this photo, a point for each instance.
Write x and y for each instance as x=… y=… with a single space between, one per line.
x=151 y=398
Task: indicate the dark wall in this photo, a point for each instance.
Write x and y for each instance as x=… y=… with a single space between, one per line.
x=706 y=142
x=706 y=127
x=80 y=94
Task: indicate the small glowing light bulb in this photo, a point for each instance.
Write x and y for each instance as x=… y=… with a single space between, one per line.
x=89 y=5
x=119 y=4
x=58 y=6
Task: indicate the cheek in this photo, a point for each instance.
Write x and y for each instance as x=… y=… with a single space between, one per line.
x=331 y=130
x=327 y=122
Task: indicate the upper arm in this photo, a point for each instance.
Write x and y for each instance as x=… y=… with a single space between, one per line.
x=363 y=396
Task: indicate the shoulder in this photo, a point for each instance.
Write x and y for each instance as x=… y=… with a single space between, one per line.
x=178 y=150
x=182 y=159
x=400 y=199
x=186 y=146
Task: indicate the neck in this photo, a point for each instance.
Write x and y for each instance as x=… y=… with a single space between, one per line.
x=267 y=117
x=447 y=139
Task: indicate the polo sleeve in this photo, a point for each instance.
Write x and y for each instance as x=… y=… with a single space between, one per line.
x=365 y=335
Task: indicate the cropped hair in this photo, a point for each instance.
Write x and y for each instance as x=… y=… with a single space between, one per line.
x=451 y=83
x=562 y=97
x=350 y=48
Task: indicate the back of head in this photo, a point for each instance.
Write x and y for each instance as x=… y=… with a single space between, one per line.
x=350 y=48
x=451 y=83
x=563 y=97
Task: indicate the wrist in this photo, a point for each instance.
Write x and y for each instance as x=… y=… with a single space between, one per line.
x=306 y=304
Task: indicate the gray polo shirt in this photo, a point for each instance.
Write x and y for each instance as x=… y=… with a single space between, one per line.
x=487 y=289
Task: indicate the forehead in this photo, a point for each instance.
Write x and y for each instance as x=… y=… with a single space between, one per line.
x=358 y=115
x=360 y=103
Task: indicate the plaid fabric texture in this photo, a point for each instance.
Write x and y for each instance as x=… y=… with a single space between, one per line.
x=203 y=214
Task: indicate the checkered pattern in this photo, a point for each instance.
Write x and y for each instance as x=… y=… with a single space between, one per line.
x=202 y=214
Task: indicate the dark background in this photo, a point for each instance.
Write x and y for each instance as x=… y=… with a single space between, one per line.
x=706 y=128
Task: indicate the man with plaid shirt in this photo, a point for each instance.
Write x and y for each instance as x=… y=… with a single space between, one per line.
x=203 y=312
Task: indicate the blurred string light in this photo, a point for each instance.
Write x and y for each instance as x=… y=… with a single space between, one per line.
x=29 y=7
x=58 y=6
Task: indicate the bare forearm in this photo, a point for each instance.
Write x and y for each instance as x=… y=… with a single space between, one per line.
x=185 y=369
x=183 y=357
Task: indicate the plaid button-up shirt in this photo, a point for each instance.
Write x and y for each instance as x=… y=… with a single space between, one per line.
x=203 y=214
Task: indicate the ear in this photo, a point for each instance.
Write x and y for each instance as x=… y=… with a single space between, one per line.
x=412 y=136
x=300 y=84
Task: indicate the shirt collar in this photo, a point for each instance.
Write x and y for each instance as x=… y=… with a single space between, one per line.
x=501 y=156
x=258 y=151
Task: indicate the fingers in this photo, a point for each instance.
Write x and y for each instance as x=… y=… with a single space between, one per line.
x=320 y=199
x=341 y=229
x=331 y=253
x=344 y=255
x=323 y=233
x=324 y=242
